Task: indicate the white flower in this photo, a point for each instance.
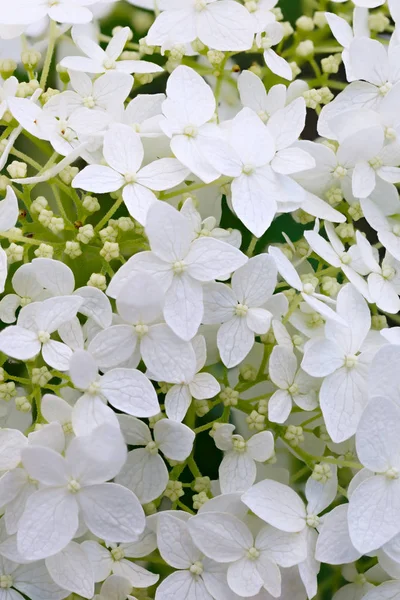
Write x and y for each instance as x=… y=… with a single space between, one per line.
x=195 y=575
x=254 y=95
x=115 y=588
x=253 y=561
x=71 y=570
x=142 y=333
x=29 y=579
x=240 y=308
x=143 y=114
x=181 y=265
x=189 y=107
x=27 y=289
x=345 y=34
x=374 y=504
x=201 y=386
x=8 y=90
x=145 y=472
x=316 y=301
x=22 y=12
x=295 y=386
x=261 y=163
x=75 y=485
x=101 y=61
x=220 y=25
x=238 y=470
x=107 y=93
x=271 y=35
x=337 y=358
x=32 y=334
x=123 y=151
x=281 y=507
x=114 y=560
x=128 y=390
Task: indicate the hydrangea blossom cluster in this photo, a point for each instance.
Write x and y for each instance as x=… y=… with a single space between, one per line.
x=200 y=287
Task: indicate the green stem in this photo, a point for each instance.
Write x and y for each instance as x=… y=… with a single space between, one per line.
x=109 y=214
x=252 y=246
x=49 y=54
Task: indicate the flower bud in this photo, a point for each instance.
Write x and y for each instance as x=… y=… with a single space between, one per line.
x=30 y=58
x=72 y=249
x=17 y=169
x=255 y=421
x=41 y=376
x=14 y=253
x=7 y=67
x=91 y=204
x=305 y=23
x=85 y=234
x=110 y=251
x=305 y=49
x=44 y=251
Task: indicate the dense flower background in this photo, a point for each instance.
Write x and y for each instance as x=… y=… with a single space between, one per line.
x=200 y=281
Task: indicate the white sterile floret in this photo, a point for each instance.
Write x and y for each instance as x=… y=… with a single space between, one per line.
x=62 y=11
x=238 y=470
x=77 y=484
x=114 y=559
x=181 y=266
x=197 y=385
x=195 y=576
x=145 y=472
x=340 y=361
x=318 y=302
x=98 y=60
x=270 y=36
x=123 y=151
x=261 y=161
x=345 y=34
x=127 y=390
x=219 y=24
x=27 y=289
x=32 y=334
x=252 y=561
x=281 y=507
x=240 y=308
x=188 y=109
x=295 y=386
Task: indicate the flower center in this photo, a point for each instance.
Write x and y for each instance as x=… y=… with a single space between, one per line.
x=392 y=473
x=345 y=258
x=248 y=169
x=94 y=388
x=308 y=288
x=293 y=389
x=312 y=520
x=239 y=444
x=252 y=553
x=200 y=5
x=89 y=102
x=6 y=582
x=388 y=273
x=191 y=131
x=350 y=361
x=73 y=486
x=25 y=300
x=43 y=337
x=179 y=267
x=196 y=568
x=264 y=116
x=390 y=134
x=130 y=177
x=340 y=172
x=117 y=554
x=385 y=88
x=109 y=63
x=376 y=162
x=67 y=428
x=152 y=448
x=241 y=310
x=141 y=329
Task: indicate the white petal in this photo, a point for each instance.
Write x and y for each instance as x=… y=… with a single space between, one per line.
x=175 y=543
x=12 y=442
x=138 y=200
x=377 y=439
x=98 y=179
x=210 y=259
x=95 y=305
x=166 y=356
x=282 y=367
x=90 y=412
x=19 y=343
x=334 y=545
x=292 y=160
x=237 y=472
x=254 y=283
x=220 y=536
x=285 y=268
x=363 y=180
x=54 y=312
x=278 y=65
x=71 y=570
x=169 y=232
x=183 y=308
x=144 y=474
x=113 y=346
x=130 y=391
x=182 y=584
x=374 y=513
x=123 y=149
x=204 y=386
x=100 y=559
x=174 y=439
x=45 y=465
x=225 y=25
x=376 y=69
x=235 y=340
x=321 y=495
x=54 y=275
x=177 y=402
x=277 y=504
x=261 y=446
x=112 y=512
x=8 y=210
x=342 y=399
x=254 y=199
x=48 y=524
x=57 y=355
x=322 y=357
x=244 y=578
x=279 y=406
x=83 y=369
